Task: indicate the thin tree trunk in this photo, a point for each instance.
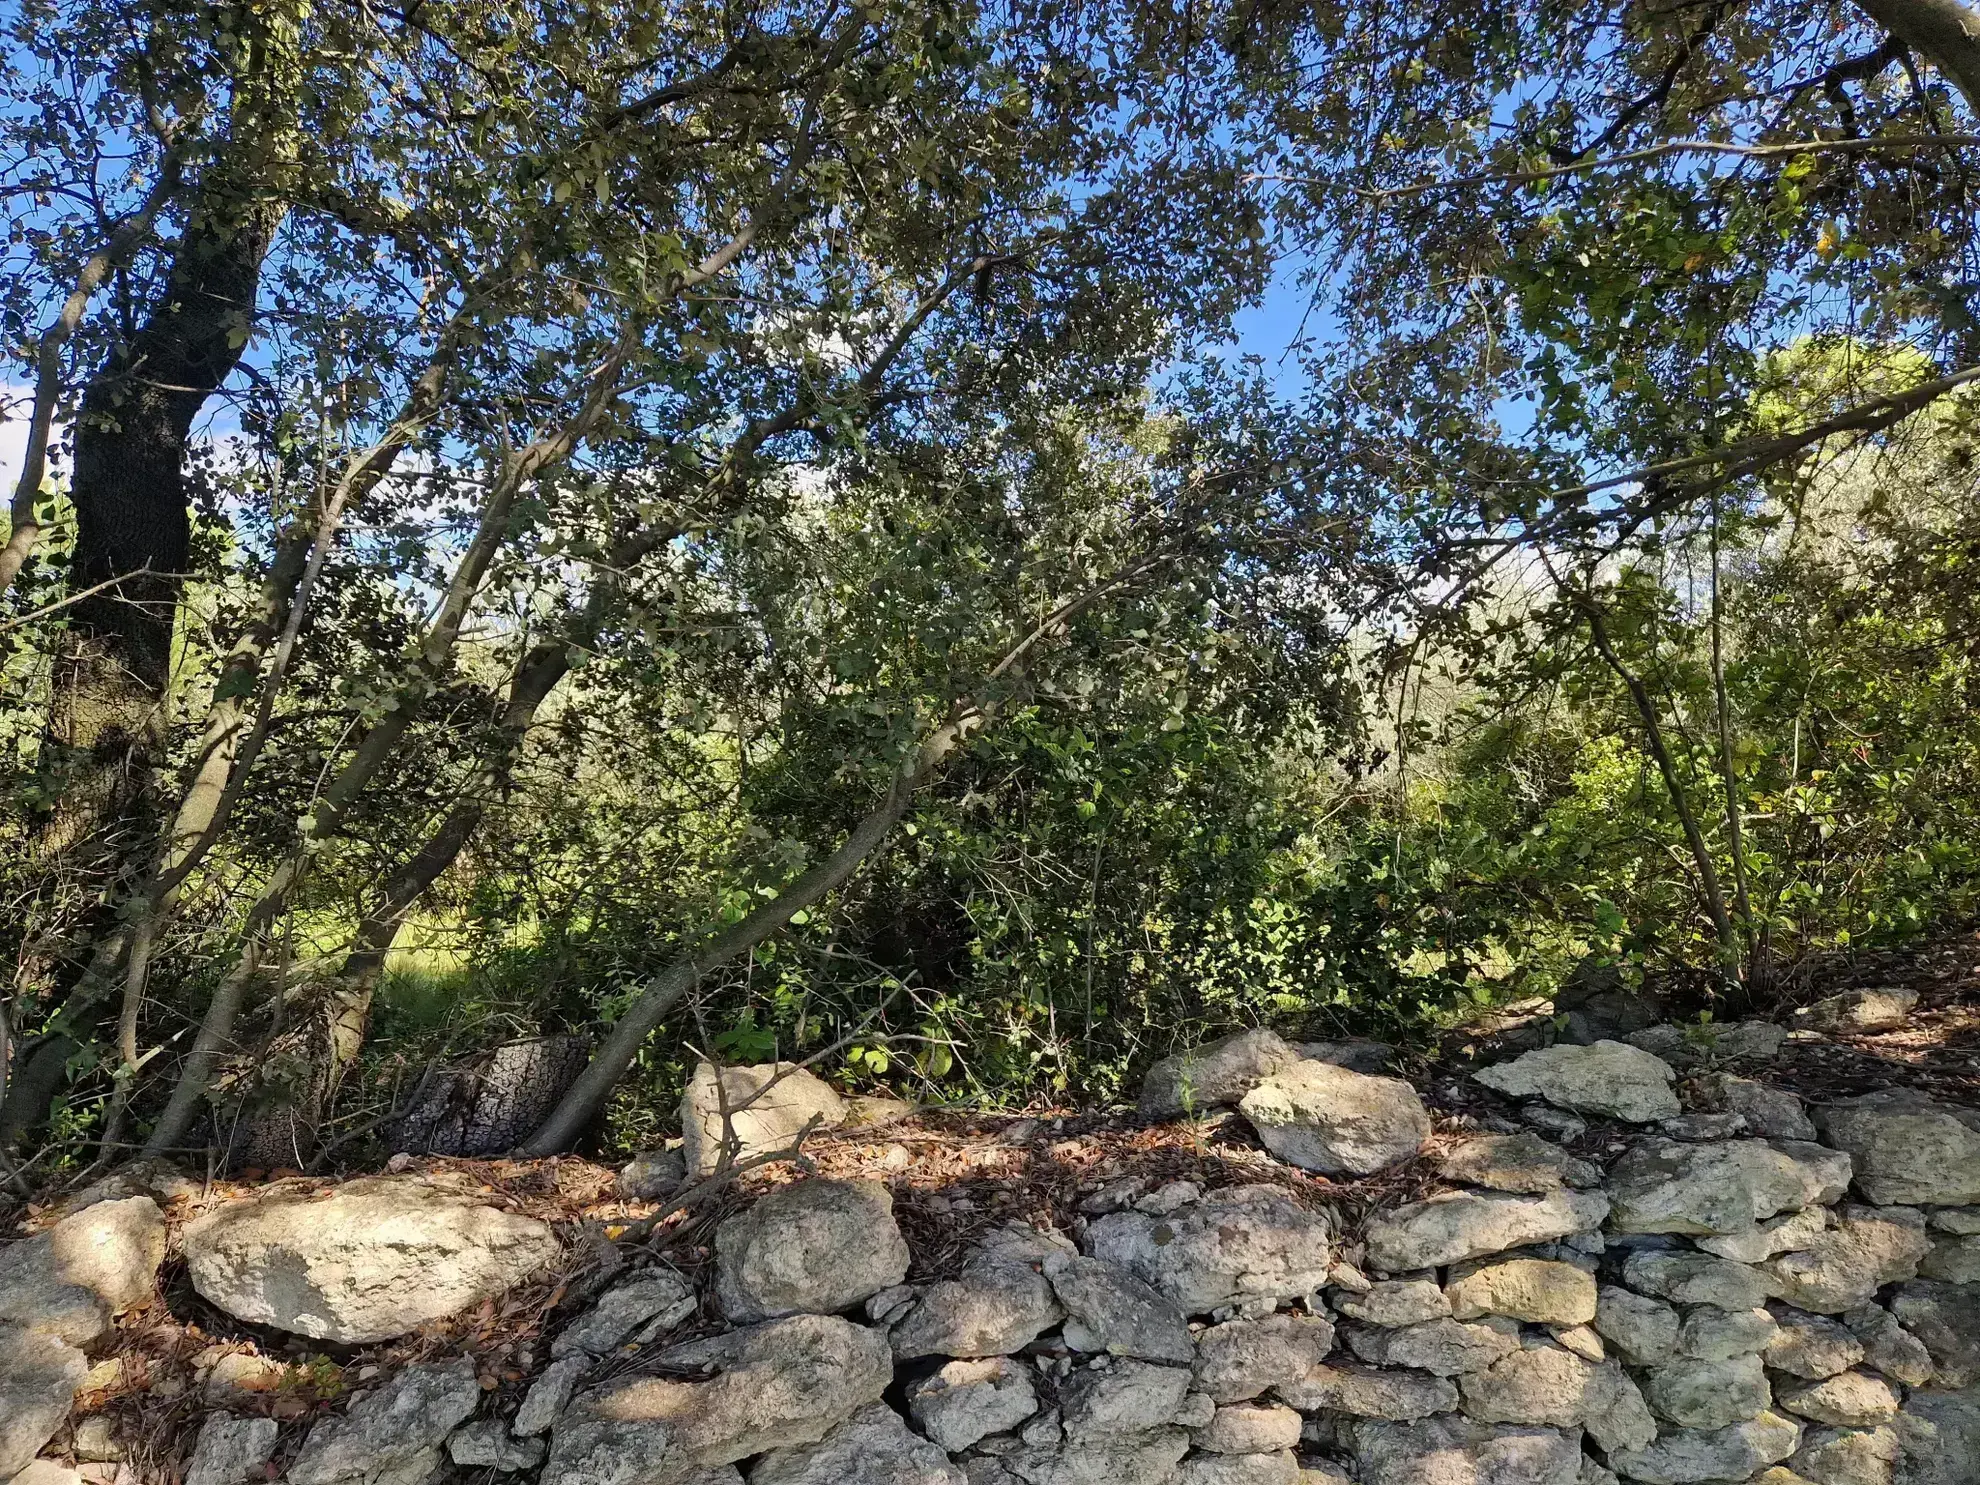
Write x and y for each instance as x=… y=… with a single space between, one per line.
x=1735 y=827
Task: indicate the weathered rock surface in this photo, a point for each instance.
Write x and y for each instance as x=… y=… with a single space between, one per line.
x=1324 y=1118
x=1712 y=1334
x=1523 y=1163
x=1708 y=1394
x=659 y=1297
x=1443 y=1347
x=1541 y=1291
x=1858 y=1012
x=1396 y=1302
x=1772 y=1113
x=1776 y=1235
x=1686 y=1456
x=1888 y=1347
x=70 y=1280
x=1243 y=1359
x=486 y=1445
x=39 y=1375
x=1214 y=1075
x=812 y=1247
x=1474 y=1224
x=1954 y=1259
x=1847 y=1400
x=1867 y=1248
x=1643 y=1329
x=1939 y=1439
x=1457 y=1451
x=968 y=1400
x=873 y=1447
x=1121 y=1398
x=391 y=1435
x=998 y=1305
x=1811 y=1346
x=1946 y=1317
x=652 y=1175
x=1666 y=1186
x=1550 y=1386
x=1109 y=1309
x=768 y=1108
x=1846 y=1456
x=1241 y=1243
x=776 y=1385
x=1613 y=1079
x=374 y=1259
x=1371 y=1392
x=231 y=1450
x=1249 y=1428
x=1909 y=1149
x=1280 y=1468
x=1697 y=1279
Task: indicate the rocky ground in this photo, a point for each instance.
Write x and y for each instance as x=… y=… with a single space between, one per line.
x=1583 y=1244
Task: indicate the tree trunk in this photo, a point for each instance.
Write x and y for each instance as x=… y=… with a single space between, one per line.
x=1946 y=32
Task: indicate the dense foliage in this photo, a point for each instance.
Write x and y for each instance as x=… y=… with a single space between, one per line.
x=752 y=533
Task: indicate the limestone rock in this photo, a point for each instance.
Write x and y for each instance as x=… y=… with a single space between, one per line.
x=1457 y=1451
x=1542 y=1385
x=1540 y=1291
x=1867 y=1248
x=1243 y=1359
x=1712 y=1334
x=1214 y=1075
x=1522 y=1162
x=1445 y=1347
x=1708 y=1394
x=1847 y=1400
x=1241 y=1243
x=231 y=1450
x=1645 y=1330
x=549 y=1395
x=1689 y=1046
x=486 y=1445
x=1689 y=1455
x=68 y=1281
x=1475 y=1224
x=968 y=1400
x=1847 y=1456
x=374 y=1259
x=1109 y=1309
x=1772 y=1113
x=998 y=1305
x=1395 y=1302
x=776 y=1385
x=1939 y=1439
x=1954 y=1259
x=1888 y=1347
x=1946 y=1317
x=1249 y=1428
x=769 y=1107
x=873 y=1447
x=1697 y=1279
x=1811 y=1346
x=813 y=1247
x=1371 y=1392
x=1597 y=1004
x=39 y=1375
x=1325 y=1118
x=659 y=1296
x=1143 y=1459
x=652 y=1175
x=1859 y=1012
x=1608 y=1078
x=1124 y=1397
x=1277 y=1468
x=1777 y=1235
x=392 y=1433
x=1909 y=1148
x=1665 y=1186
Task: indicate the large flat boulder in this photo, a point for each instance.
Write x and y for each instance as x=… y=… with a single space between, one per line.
x=1241 y=1243
x=70 y=1280
x=1909 y=1148
x=1609 y=1078
x=813 y=1247
x=1214 y=1075
x=778 y=1385
x=1324 y=1118
x=1458 y=1225
x=764 y=1110
x=1725 y=1187
x=369 y=1260
x=1686 y=1456
x=1845 y=1265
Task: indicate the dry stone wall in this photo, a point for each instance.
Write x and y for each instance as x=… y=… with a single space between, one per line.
x=1717 y=1284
